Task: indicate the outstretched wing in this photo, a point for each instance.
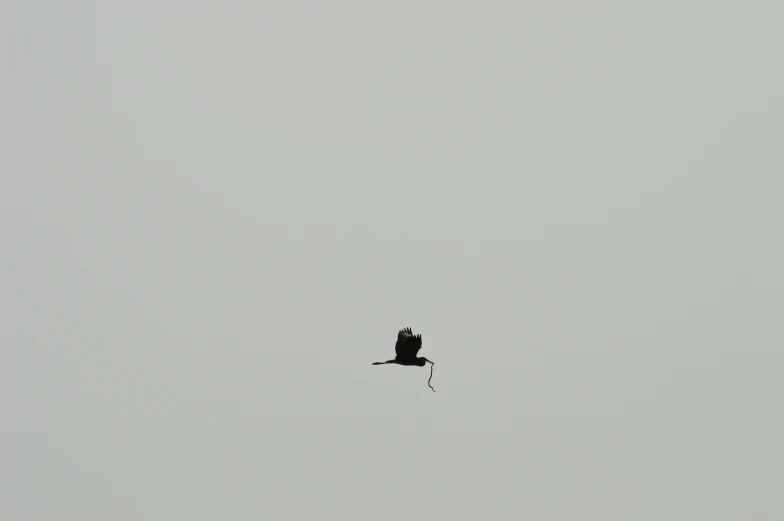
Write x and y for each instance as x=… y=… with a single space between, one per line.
x=408 y=344
x=402 y=337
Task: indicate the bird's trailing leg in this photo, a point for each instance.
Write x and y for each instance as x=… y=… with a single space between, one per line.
x=382 y=363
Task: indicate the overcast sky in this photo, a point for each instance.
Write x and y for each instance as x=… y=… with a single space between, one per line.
x=216 y=215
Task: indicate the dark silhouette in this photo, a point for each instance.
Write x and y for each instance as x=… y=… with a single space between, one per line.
x=406 y=349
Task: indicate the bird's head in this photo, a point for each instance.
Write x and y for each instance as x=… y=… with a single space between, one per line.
x=421 y=361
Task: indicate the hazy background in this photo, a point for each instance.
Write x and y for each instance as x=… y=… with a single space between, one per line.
x=216 y=215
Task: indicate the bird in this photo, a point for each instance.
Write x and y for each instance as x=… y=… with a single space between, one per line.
x=406 y=349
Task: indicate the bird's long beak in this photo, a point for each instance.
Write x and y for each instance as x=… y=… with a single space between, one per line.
x=428 y=361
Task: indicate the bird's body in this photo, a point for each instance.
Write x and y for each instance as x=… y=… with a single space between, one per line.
x=406 y=350
x=418 y=361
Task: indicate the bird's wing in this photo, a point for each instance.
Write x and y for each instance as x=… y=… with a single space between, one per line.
x=408 y=344
x=403 y=337
x=414 y=344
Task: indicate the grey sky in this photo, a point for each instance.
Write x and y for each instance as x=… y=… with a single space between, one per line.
x=216 y=215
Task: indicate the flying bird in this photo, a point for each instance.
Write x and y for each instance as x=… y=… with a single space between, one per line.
x=406 y=349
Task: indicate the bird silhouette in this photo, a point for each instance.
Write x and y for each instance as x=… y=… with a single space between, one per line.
x=406 y=349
